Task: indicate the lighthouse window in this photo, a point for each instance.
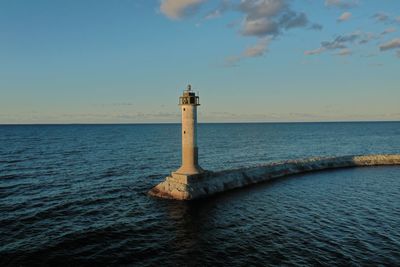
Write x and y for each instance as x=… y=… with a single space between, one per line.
x=184 y=132
x=192 y=100
x=184 y=109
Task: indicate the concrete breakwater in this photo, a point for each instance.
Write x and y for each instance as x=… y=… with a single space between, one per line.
x=209 y=183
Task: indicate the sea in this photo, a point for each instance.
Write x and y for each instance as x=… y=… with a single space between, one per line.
x=75 y=195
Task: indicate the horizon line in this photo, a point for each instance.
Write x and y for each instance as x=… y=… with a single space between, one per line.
x=212 y=122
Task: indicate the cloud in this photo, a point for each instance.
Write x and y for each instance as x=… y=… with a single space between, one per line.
x=263 y=19
x=222 y=8
x=177 y=9
x=381 y=17
x=393 y=44
x=293 y=20
x=316 y=26
x=214 y=14
x=266 y=20
x=344 y=52
x=260 y=27
x=258 y=49
x=344 y=17
x=367 y=37
x=376 y=64
x=388 y=30
x=327 y=114
x=233 y=24
x=269 y=17
x=341 y=3
x=232 y=61
x=262 y=8
x=385 y=18
x=342 y=42
x=314 y=52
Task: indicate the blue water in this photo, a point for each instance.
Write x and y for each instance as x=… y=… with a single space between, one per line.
x=75 y=194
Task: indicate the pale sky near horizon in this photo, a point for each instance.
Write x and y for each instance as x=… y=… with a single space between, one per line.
x=127 y=61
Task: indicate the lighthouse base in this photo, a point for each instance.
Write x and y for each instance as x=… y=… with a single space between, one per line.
x=187 y=187
x=181 y=186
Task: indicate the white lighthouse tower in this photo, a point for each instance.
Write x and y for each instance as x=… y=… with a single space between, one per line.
x=186 y=182
x=188 y=103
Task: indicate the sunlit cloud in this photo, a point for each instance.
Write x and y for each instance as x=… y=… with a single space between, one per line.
x=177 y=9
x=392 y=44
x=388 y=30
x=266 y=20
x=257 y=50
x=344 y=17
x=269 y=17
x=314 y=51
x=263 y=19
x=344 y=52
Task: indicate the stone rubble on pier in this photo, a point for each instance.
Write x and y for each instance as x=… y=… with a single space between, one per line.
x=208 y=183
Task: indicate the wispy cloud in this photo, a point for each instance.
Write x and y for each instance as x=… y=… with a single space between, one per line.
x=177 y=9
x=344 y=4
x=385 y=18
x=232 y=61
x=388 y=30
x=344 y=17
x=257 y=50
x=368 y=37
x=316 y=26
x=342 y=43
x=322 y=115
x=344 y=52
x=116 y=104
x=392 y=44
x=223 y=6
x=381 y=17
x=214 y=14
x=316 y=51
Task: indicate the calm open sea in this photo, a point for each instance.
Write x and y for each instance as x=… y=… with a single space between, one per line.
x=76 y=195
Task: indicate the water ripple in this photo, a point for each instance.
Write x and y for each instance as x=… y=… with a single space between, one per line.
x=76 y=195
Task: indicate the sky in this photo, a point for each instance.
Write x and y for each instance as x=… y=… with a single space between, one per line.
x=127 y=61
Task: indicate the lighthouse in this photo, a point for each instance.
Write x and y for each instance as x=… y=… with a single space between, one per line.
x=190 y=180
x=188 y=103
